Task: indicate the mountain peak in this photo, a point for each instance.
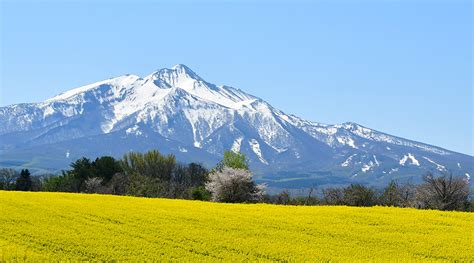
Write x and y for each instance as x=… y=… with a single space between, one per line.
x=351 y=125
x=175 y=76
x=181 y=67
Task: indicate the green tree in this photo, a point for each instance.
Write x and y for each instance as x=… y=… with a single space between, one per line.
x=66 y=182
x=105 y=168
x=151 y=174
x=391 y=195
x=51 y=183
x=24 y=183
x=200 y=193
x=151 y=164
x=236 y=160
x=82 y=169
x=199 y=174
x=119 y=184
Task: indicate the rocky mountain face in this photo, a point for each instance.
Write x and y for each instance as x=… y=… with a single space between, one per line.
x=176 y=111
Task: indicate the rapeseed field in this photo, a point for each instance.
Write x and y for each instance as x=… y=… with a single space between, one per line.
x=64 y=226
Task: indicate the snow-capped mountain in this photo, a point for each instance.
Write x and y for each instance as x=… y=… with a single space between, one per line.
x=176 y=111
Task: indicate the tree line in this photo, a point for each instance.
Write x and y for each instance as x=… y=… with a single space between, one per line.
x=149 y=174
x=153 y=174
x=445 y=192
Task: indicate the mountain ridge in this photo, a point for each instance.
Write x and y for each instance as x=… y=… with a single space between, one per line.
x=177 y=105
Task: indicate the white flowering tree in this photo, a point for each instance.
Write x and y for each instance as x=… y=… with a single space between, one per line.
x=93 y=185
x=232 y=185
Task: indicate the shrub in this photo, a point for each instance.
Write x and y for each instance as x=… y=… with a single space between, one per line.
x=200 y=193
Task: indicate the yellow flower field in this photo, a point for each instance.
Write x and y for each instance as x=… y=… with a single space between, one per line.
x=62 y=226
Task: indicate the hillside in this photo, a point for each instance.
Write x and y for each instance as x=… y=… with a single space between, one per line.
x=53 y=226
x=178 y=112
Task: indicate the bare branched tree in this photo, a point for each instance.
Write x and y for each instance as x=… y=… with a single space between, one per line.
x=310 y=199
x=407 y=194
x=8 y=178
x=400 y=195
x=333 y=196
x=444 y=193
x=284 y=197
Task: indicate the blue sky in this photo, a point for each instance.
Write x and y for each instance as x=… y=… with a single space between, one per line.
x=402 y=67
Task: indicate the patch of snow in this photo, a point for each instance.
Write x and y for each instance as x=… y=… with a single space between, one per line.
x=367 y=167
x=388 y=148
x=133 y=130
x=376 y=161
x=439 y=167
x=393 y=170
x=237 y=144
x=410 y=157
x=256 y=149
x=183 y=150
x=106 y=127
x=348 y=160
x=279 y=150
x=467 y=176
x=297 y=155
x=459 y=165
x=346 y=140
x=370 y=165
x=67 y=154
x=48 y=111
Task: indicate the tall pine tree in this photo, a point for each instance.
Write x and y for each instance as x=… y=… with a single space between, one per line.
x=24 y=183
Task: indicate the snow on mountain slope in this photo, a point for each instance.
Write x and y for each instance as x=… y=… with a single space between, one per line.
x=409 y=158
x=182 y=77
x=122 y=81
x=194 y=117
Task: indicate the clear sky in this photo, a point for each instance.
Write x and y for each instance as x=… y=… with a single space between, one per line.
x=402 y=67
